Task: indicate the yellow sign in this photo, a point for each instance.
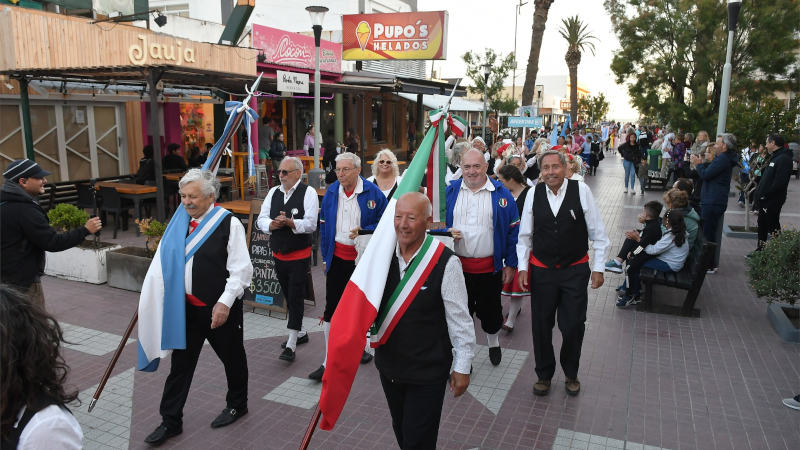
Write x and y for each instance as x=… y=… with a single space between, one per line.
x=139 y=52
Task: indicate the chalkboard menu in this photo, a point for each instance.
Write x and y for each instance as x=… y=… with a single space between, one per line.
x=265 y=291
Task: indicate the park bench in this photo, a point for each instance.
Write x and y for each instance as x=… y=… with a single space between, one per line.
x=690 y=279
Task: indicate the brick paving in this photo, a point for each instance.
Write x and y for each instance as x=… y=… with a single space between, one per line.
x=648 y=380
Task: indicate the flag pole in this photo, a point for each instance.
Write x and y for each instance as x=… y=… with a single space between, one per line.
x=225 y=138
x=113 y=362
x=312 y=425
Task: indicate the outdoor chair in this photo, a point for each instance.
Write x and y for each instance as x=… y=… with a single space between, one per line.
x=113 y=203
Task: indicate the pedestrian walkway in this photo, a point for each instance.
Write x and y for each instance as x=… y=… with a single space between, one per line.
x=648 y=381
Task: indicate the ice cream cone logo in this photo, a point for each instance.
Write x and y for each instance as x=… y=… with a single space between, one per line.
x=363 y=32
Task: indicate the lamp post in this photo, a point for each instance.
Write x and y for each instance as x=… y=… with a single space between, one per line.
x=487 y=69
x=316 y=176
x=733 y=15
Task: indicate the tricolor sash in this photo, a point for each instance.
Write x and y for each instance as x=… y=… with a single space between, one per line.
x=406 y=291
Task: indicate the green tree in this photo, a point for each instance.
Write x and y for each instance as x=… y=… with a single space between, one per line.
x=593 y=108
x=750 y=119
x=501 y=68
x=578 y=38
x=673 y=52
x=540 y=11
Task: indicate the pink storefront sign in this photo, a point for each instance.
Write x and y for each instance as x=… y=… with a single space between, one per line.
x=296 y=50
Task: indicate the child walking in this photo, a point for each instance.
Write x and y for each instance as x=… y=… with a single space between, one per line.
x=642 y=173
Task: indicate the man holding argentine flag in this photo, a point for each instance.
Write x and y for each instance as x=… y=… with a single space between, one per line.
x=192 y=292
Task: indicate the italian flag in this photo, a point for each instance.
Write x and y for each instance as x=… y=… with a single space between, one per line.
x=358 y=307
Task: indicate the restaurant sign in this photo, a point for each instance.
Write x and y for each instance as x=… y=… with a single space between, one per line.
x=412 y=35
x=292 y=82
x=296 y=50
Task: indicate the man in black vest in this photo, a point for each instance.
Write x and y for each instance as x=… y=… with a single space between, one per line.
x=435 y=332
x=289 y=215
x=557 y=222
x=215 y=278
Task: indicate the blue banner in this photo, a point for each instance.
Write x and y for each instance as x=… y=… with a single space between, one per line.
x=529 y=122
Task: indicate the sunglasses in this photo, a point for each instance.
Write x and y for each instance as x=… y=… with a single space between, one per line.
x=286 y=172
x=383 y=161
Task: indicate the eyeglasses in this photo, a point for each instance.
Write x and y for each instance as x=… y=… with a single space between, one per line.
x=286 y=172
x=383 y=161
x=344 y=169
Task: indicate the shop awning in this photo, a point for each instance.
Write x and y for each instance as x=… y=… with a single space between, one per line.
x=437 y=101
x=389 y=83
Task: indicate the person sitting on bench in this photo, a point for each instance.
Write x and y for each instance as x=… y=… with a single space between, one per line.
x=667 y=255
x=650 y=234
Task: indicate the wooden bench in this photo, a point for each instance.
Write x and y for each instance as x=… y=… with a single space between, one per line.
x=690 y=279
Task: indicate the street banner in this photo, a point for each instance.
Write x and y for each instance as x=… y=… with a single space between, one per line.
x=525 y=122
x=409 y=36
x=296 y=50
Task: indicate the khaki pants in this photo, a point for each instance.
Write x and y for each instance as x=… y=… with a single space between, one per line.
x=35 y=294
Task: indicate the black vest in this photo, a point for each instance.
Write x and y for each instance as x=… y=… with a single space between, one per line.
x=419 y=350
x=562 y=239
x=209 y=271
x=283 y=240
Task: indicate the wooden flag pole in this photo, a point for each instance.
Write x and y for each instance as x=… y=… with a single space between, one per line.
x=113 y=362
x=312 y=425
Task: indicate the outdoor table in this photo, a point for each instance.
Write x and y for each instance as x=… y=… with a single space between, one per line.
x=238 y=207
x=132 y=191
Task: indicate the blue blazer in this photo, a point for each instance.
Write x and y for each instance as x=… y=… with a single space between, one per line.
x=371 y=202
x=504 y=216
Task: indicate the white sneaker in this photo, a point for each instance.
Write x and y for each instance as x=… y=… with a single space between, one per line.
x=793 y=403
x=626 y=190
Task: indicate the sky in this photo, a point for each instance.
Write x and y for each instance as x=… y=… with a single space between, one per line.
x=478 y=24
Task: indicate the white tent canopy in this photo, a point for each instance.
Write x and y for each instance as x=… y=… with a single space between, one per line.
x=438 y=101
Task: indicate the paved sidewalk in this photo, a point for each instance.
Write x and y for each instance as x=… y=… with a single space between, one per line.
x=648 y=380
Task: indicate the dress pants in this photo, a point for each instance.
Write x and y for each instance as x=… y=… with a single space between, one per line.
x=227 y=342
x=769 y=216
x=416 y=410
x=713 y=217
x=293 y=276
x=335 y=281
x=563 y=291
x=483 y=299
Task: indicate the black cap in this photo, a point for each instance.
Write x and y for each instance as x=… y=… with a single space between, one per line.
x=24 y=168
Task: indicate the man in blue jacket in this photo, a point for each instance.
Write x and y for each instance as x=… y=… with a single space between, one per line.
x=716 y=173
x=350 y=203
x=483 y=218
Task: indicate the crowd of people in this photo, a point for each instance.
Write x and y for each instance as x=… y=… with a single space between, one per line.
x=521 y=219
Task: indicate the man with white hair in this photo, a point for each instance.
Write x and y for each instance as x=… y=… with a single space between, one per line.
x=289 y=216
x=216 y=271
x=351 y=203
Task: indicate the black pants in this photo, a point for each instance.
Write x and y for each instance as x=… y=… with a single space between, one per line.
x=293 y=277
x=483 y=299
x=628 y=246
x=335 y=282
x=227 y=342
x=416 y=410
x=562 y=291
x=769 y=216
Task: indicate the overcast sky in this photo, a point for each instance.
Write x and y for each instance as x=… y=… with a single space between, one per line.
x=475 y=25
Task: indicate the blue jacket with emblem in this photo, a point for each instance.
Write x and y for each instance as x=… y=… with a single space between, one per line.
x=504 y=216
x=330 y=205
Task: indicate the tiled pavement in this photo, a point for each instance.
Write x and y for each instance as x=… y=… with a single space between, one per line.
x=648 y=380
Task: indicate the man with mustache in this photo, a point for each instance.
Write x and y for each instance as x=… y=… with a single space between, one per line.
x=557 y=222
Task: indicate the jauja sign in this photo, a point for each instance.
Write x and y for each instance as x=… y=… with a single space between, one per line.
x=412 y=35
x=296 y=50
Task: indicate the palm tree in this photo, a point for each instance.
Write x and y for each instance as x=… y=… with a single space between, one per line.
x=540 y=10
x=578 y=39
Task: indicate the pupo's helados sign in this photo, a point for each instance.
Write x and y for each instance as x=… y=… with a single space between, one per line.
x=412 y=35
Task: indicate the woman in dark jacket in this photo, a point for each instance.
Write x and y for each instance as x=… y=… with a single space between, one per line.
x=716 y=172
x=631 y=155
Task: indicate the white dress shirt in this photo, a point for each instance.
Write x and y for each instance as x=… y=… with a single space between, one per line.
x=348 y=214
x=302 y=225
x=460 y=326
x=594 y=224
x=240 y=269
x=52 y=427
x=472 y=215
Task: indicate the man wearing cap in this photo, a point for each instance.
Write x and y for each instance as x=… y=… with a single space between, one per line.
x=25 y=233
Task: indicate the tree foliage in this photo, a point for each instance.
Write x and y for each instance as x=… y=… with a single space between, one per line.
x=673 y=53
x=593 y=107
x=501 y=68
x=757 y=119
x=579 y=39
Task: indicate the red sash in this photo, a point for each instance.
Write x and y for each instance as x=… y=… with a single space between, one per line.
x=303 y=253
x=194 y=301
x=477 y=265
x=535 y=262
x=345 y=252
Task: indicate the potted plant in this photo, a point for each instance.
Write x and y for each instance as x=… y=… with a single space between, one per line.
x=774 y=273
x=84 y=262
x=127 y=266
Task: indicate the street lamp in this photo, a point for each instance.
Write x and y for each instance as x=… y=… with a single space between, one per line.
x=487 y=69
x=733 y=14
x=317 y=176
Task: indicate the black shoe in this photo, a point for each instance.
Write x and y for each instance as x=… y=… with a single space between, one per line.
x=227 y=417
x=366 y=357
x=301 y=340
x=287 y=355
x=317 y=374
x=495 y=356
x=161 y=434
